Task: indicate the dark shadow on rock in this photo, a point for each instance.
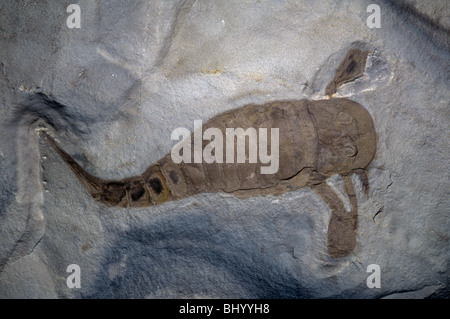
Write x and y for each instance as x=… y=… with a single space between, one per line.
x=186 y=255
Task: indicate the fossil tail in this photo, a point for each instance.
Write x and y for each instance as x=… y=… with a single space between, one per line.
x=147 y=189
x=92 y=183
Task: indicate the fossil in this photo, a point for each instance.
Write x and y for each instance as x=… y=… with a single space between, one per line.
x=318 y=138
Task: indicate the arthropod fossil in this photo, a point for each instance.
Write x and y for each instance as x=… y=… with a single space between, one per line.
x=317 y=140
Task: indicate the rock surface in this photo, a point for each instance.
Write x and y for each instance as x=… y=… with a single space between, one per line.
x=137 y=70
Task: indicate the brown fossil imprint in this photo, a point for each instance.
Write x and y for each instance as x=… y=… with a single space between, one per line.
x=317 y=139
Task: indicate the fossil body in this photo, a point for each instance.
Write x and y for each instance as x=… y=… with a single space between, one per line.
x=317 y=139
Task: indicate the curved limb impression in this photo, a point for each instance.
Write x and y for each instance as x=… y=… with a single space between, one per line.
x=343 y=225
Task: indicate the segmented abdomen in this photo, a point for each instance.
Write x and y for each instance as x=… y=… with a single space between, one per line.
x=297 y=150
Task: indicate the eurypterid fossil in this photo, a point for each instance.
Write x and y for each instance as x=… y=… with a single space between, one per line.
x=317 y=140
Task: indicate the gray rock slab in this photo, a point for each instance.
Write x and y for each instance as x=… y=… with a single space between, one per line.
x=136 y=70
